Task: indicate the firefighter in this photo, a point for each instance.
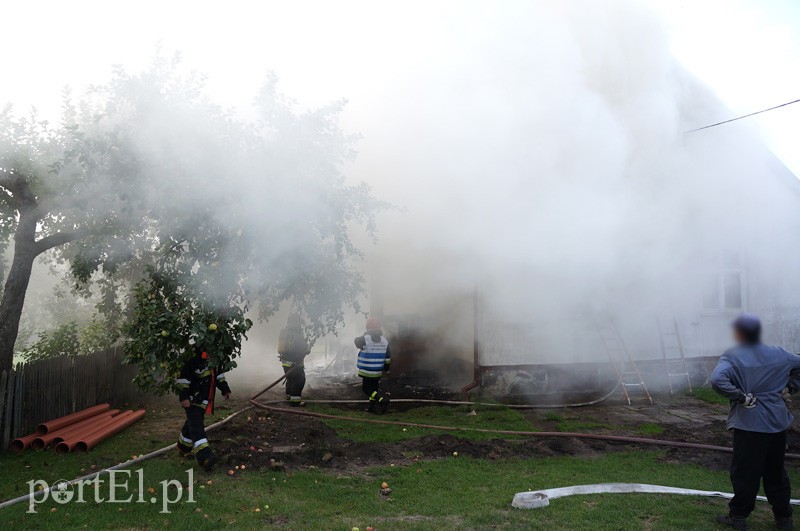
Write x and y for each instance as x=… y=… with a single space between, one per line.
x=373 y=362
x=292 y=350
x=197 y=386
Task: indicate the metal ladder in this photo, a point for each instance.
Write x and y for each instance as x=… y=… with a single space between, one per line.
x=627 y=371
x=675 y=366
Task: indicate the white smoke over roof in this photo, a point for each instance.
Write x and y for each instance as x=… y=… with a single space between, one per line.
x=535 y=148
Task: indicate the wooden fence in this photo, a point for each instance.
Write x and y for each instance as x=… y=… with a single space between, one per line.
x=41 y=390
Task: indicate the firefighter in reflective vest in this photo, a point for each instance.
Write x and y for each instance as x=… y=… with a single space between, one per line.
x=197 y=386
x=373 y=362
x=292 y=350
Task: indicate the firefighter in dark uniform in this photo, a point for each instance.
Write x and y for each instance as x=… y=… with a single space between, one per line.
x=197 y=386
x=292 y=350
x=373 y=362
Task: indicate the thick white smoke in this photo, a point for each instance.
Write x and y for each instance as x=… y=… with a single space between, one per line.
x=539 y=151
x=537 y=154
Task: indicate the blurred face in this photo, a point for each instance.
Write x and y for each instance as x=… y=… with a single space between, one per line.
x=739 y=337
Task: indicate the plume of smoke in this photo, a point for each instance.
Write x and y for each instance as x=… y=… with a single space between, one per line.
x=543 y=162
x=537 y=151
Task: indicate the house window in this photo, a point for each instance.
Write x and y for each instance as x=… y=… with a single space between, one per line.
x=724 y=289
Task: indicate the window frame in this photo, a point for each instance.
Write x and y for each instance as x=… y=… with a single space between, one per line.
x=718 y=270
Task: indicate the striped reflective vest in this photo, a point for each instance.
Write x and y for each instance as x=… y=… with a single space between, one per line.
x=372 y=357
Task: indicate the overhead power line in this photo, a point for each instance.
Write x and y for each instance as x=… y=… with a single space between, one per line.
x=745 y=116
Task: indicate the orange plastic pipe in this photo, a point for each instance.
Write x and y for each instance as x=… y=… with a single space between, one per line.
x=68 y=444
x=20 y=443
x=71 y=430
x=43 y=441
x=62 y=422
x=92 y=440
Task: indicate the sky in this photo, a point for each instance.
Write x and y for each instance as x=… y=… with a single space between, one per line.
x=746 y=51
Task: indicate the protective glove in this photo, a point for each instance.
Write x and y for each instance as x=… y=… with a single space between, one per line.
x=786 y=394
x=748 y=401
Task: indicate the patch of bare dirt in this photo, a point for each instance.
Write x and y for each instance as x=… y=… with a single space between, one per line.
x=275 y=441
x=266 y=440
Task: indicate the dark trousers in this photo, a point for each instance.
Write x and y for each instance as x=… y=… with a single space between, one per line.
x=371 y=387
x=194 y=429
x=758 y=456
x=295 y=381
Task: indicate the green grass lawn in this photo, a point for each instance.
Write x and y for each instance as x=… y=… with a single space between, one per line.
x=488 y=417
x=451 y=493
x=650 y=428
x=158 y=428
x=706 y=394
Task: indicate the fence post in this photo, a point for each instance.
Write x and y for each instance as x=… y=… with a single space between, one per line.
x=73 y=372
x=19 y=387
x=3 y=390
x=8 y=416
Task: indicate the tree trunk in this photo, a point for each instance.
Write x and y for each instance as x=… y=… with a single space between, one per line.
x=19 y=275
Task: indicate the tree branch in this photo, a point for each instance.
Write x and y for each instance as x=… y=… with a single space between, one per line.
x=57 y=239
x=20 y=190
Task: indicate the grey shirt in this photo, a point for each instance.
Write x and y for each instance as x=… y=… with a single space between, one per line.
x=765 y=371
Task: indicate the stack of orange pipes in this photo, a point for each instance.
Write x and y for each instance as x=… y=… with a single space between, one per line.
x=81 y=430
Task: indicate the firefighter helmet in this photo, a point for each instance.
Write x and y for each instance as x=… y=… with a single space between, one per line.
x=373 y=323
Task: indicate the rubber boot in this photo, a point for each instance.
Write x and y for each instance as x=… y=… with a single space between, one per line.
x=383 y=403
x=209 y=462
x=373 y=406
x=185 y=452
x=784 y=522
x=207 y=459
x=736 y=522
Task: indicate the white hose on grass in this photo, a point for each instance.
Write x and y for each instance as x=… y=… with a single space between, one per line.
x=122 y=465
x=541 y=498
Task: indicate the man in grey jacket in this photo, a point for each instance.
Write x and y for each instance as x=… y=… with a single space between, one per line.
x=757 y=378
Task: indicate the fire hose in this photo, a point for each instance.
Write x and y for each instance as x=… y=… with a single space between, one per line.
x=296 y=411
x=537 y=434
x=150 y=455
x=124 y=464
x=541 y=498
x=538 y=499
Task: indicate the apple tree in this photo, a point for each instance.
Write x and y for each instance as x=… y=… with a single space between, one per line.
x=192 y=216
